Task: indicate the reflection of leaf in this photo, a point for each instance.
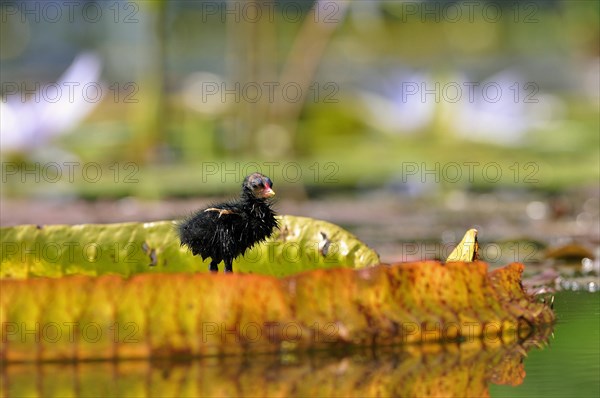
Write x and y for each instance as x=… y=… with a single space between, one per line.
x=199 y=314
x=131 y=248
x=467 y=249
x=457 y=370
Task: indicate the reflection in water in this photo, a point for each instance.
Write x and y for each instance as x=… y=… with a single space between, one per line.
x=464 y=369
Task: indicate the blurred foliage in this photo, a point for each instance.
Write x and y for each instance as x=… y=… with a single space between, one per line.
x=169 y=127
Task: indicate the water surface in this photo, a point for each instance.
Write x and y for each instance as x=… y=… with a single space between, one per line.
x=570 y=364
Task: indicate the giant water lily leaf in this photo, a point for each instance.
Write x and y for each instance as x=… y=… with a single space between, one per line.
x=181 y=314
x=131 y=248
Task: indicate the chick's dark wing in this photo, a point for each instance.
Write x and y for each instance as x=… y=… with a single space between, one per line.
x=222 y=211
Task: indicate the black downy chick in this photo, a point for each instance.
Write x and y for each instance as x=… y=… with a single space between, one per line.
x=226 y=230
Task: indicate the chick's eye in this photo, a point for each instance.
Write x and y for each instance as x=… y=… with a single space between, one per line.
x=270 y=182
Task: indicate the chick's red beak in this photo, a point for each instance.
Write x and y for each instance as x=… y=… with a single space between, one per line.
x=268 y=192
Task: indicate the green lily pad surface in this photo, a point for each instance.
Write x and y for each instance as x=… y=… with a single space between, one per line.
x=131 y=248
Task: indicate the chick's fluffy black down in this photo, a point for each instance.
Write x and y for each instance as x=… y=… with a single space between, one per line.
x=224 y=237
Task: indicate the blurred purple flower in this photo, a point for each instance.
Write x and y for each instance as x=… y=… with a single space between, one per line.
x=500 y=109
x=394 y=108
x=27 y=124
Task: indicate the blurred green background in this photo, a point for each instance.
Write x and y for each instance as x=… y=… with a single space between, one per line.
x=158 y=99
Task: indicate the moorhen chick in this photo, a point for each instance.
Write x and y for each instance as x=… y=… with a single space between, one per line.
x=226 y=230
